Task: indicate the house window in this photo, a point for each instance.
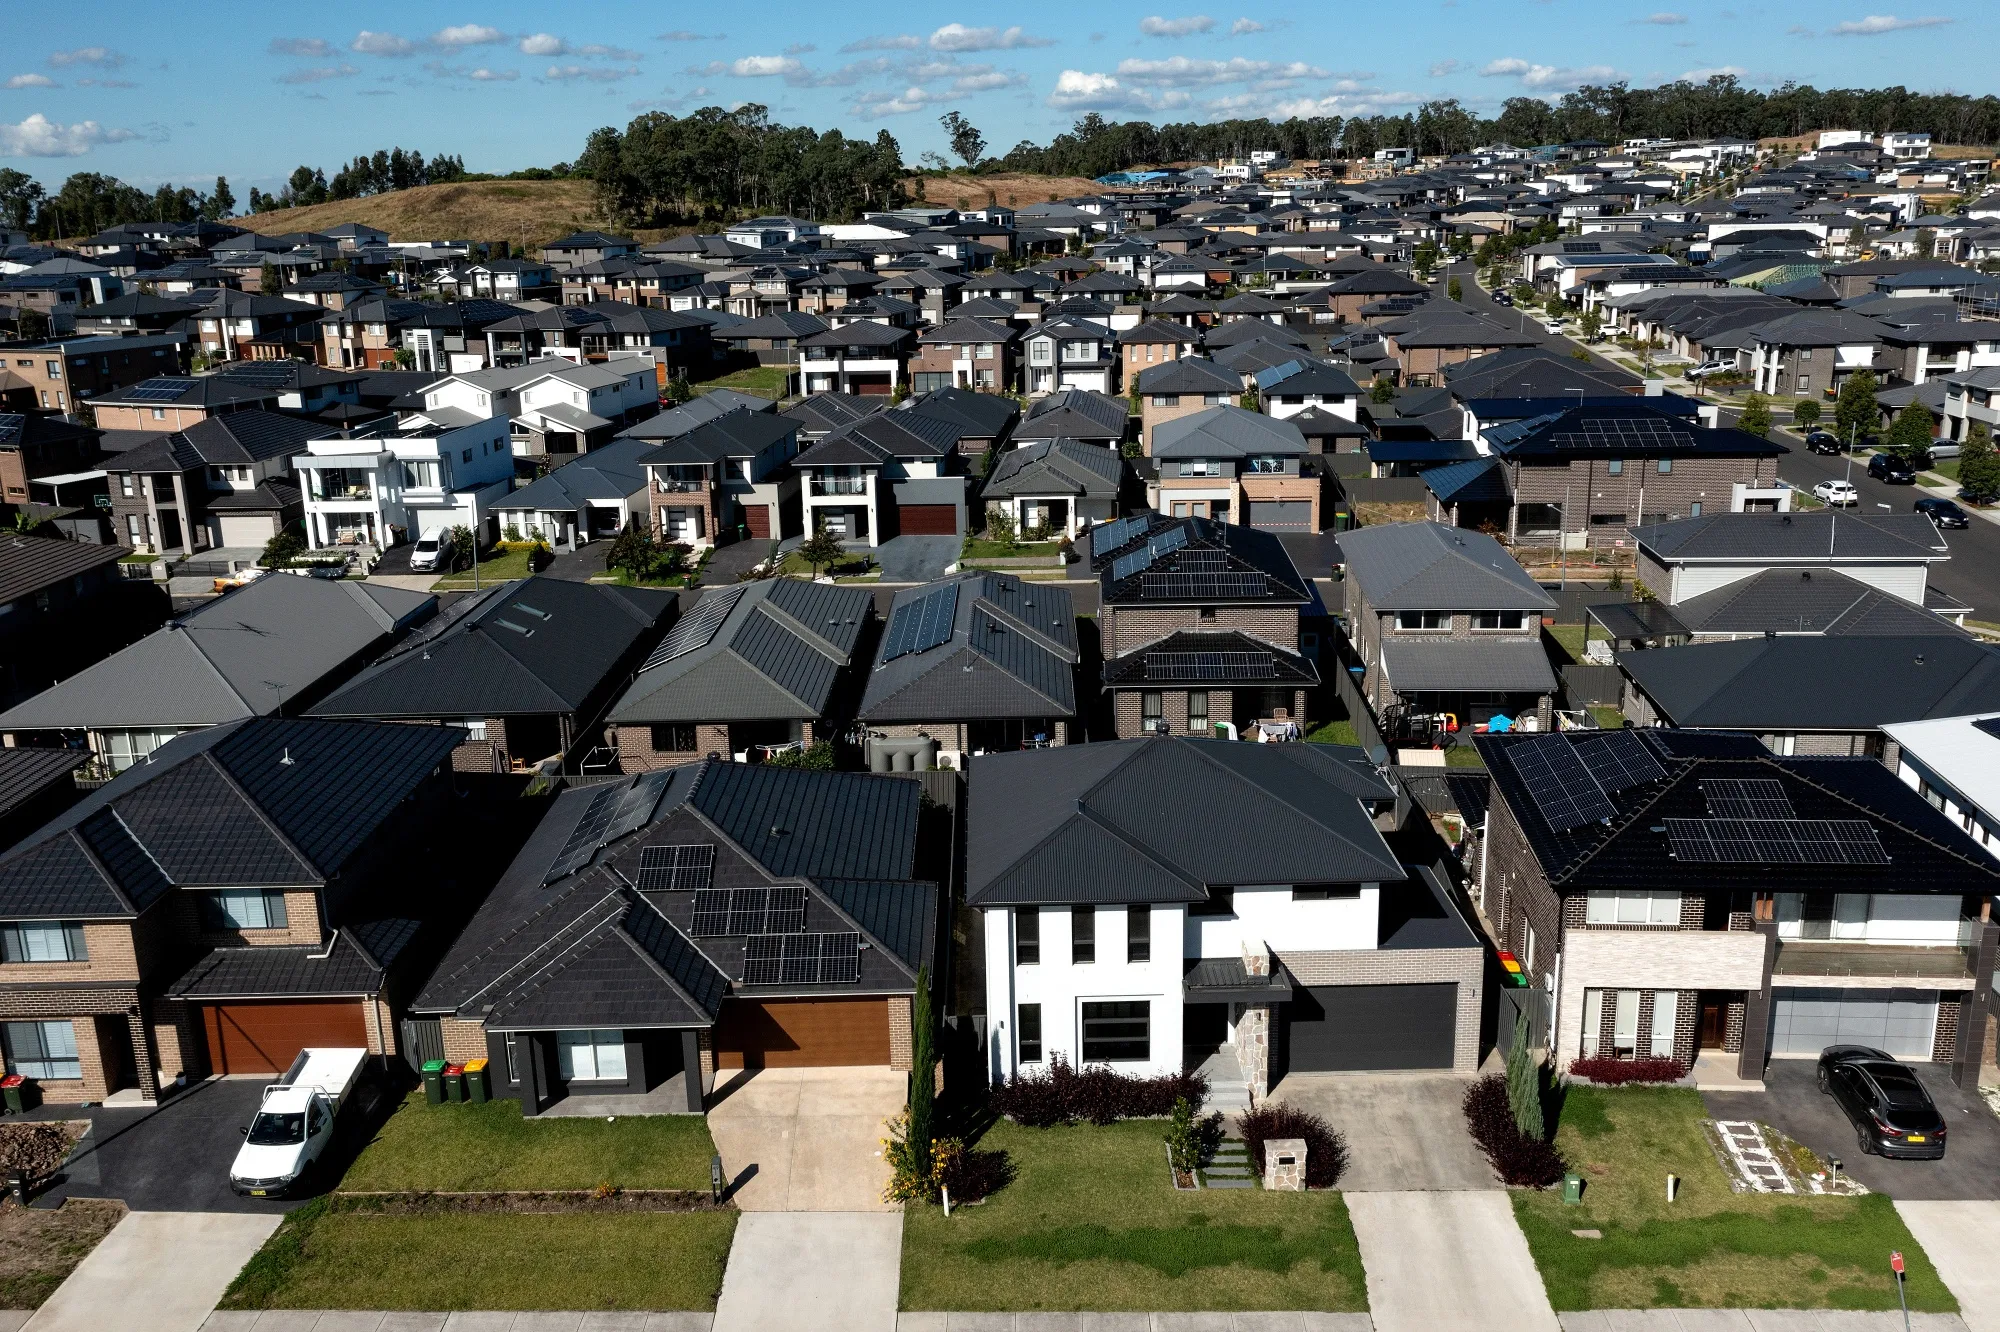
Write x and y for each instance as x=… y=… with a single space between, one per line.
x=591 y=1056
x=1593 y=1020
x=125 y=485
x=1616 y=467
x=1166 y=399
x=121 y=749
x=1665 y=465
x=244 y=909
x=1666 y=1011
x=1201 y=467
x=474 y=727
x=1411 y=621
x=1625 y=1022
x=1139 y=934
x=1039 y=351
x=1499 y=620
x=1694 y=509
x=1150 y=719
x=42 y=1050
x=1028 y=1033
x=1027 y=936
x=1197 y=711
x=1117 y=1032
x=1221 y=902
x=1632 y=906
x=159 y=413
x=673 y=738
x=1082 y=935
x=513 y=1044
x=43 y=941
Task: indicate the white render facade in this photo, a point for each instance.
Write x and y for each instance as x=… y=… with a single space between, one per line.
x=385 y=490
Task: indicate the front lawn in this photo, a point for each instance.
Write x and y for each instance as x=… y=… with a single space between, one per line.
x=40 y=1248
x=479 y=1148
x=1091 y=1221
x=499 y=568
x=1712 y=1248
x=330 y=1255
x=766 y=381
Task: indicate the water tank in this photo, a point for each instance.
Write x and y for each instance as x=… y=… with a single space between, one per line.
x=904 y=753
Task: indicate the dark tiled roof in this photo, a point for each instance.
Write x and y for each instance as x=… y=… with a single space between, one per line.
x=265 y=973
x=1253 y=663
x=1428 y=566
x=1806 y=601
x=1057 y=467
x=1807 y=683
x=28 y=564
x=1209 y=548
x=1012 y=653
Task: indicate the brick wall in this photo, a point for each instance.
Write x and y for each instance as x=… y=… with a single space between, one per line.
x=1408 y=966
x=178 y=1046
x=1687 y=1019
x=705 y=1039
x=302 y=925
x=110 y=956
x=1127 y=629
x=634 y=744
x=462 y=1040
x=83 y=1009
x=1591 y=490
x=379 y=1025
x=1944 y=1044
x=900 y=1035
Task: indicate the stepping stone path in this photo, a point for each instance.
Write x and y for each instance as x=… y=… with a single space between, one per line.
x=1744 y=1141
x=1229 y=1168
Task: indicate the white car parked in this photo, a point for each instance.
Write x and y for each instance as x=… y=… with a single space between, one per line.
x=1707 y=368
x=1838 y=494
x=430 y=551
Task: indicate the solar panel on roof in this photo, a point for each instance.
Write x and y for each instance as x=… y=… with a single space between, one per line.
x=1560 y=785
x=1776 y=841
x=1127 y=565
x=1201 y=586
x=1170 y=540
x=1202 y=561
x=635 y=807
x=698 y=628
x=687 y=867
x=158 y=390
x=1635 y=433
x=724 y=911
x=1108 y=537
x=802 y=959
x=1747 y=798
x=1619 y=760
x=922 y=623
x=1210 y=666
x=588 y=834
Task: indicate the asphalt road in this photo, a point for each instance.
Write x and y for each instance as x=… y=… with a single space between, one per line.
x=1529 y=325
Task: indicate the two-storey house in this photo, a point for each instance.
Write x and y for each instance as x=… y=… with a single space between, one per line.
x=1236 y=465
x=226 y=481
x=967 y=354
x=862 y=356
x=382 y=489
x=889 y=473
x=1184 y=386
x=725 y=479
x=1070 y=353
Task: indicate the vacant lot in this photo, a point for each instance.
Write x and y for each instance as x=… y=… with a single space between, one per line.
x=1014 y=189
x=1092 y=1222
x=39 y=1249
x=1711 y=1248
x=526 y=213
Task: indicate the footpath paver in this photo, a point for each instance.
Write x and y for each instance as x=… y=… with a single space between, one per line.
x=161 y=1271
x=1447 y=1260
x=812 y=1272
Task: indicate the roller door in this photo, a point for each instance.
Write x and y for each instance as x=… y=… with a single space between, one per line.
x=264 y=1038
x=241 y=529
x=757 y=517
x=927 y=519
x=1902 y=1023
x=803 y=1033
x=1282 y=515
x=1345 y=1028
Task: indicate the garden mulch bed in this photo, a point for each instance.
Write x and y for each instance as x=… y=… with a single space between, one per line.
x=527 y=1201
x=39 y=1148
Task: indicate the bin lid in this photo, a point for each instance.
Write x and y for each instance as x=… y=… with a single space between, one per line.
x=434 y=1066
x=13 y=1080
x=475 y=1065
x=453 y=1070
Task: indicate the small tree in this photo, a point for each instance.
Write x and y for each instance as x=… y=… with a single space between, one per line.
x=635 y=552
x=967 y=142
x=1383 y=390
x=1979 y=466
x=283 y=548
x=923 y=1071
x=459 y=553
x=1910 y=436
x=268 y=281
x=1806 y=414
x=1000 y=525
x=1592 y=323
x=1524 y=1083
x=31 y=325
x=1454 y=290
x=1251 y=400
x=1756 y=417
x=679 y=390
x=1854 y=411
x=821 y=548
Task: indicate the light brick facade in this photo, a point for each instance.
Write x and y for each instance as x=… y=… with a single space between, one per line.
x=900 y=1033
x=1405 y=966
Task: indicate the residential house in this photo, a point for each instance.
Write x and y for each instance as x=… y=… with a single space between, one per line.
x=1954 y=763
x=135 y=314
x=247 y=326
x=724 y=479
x=985 y=421
x=977 y=663
x=223 y=482
x=771 y=233
x=886 y=474
x=1232 y=464
x=1057 y=486
x=1243 y=916
x=1091 y=418
x=1425 y=342
x=752 y=670
x=36 y=446
x=522 y=672
x=1070 y=353
x=586 y=247
x=966 y=354
x=1182 y=387
x=574 y=983
x=1445 y=621
x=1198 y=622
x=1291 y=390
x=382 y=489
x=1153 y=343
x=501 y=280
x=1970 y=398
x=1812 y=353
x=862 y=357
x=68 y=373
x=1699 y=899
x=594 y=495
x=267 y=649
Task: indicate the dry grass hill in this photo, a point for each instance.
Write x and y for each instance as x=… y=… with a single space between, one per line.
x=1009 y=188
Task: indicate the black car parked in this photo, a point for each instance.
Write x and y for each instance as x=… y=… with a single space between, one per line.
x=1943 y=512
x=1893 y=469
x=1891 y=1112
x=1823 y=441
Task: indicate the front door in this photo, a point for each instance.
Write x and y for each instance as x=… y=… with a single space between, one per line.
x=1714 y=1009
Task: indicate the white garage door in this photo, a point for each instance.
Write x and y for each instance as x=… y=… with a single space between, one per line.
x=1900 y=1022
x=244 y=530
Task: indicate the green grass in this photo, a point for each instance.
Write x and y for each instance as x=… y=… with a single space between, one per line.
x=1568 y=637
x=1463 y=755
x=478 y=1148
x=851 y=565
x=979 y=548
x=1712 y=1248
x=1946 y=468
x=1608 y=717
x=1339 y=732
x=1092 y=1222
x=766 y=381
x=329 y=1257
x=502 y=566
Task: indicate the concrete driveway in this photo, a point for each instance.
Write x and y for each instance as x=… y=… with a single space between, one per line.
x=1961 y=1238
x=916 y=559
x=1791 y=1102
x=1404 y=1131
x=1444 y=1261
x=817 y=1272
x=806 y=1139
x=162 y=1271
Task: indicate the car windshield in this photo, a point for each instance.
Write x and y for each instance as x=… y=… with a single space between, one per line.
x=270 y=1129
x=427 y=545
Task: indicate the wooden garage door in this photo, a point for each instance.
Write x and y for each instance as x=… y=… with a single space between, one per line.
x=264 y=1038
x=1340 y=1028
x=803 y=1033
x=928 y=519
x=757 y=517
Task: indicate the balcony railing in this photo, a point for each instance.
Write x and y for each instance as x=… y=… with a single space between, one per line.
x=671 y=487
x=840 y=485
x=1918 y=962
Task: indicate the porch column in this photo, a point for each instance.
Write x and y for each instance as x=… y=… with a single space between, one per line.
x=1973 y=1008
x=1757 y=1002
x=187 y=519
x=691 y=1070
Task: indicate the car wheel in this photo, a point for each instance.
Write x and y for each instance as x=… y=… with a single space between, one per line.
x=1863 y=1141
x=1824 y=1090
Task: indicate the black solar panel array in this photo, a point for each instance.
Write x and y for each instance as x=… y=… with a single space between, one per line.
x=1127 y=565
x=1639 y=434
x=1107 y=537
x=1559 y=783
x=1210 y=666
x=921 y=624
x=635 y=808
x=1619 y=760
x=1776 y=842
x=684 y=868
x=802 y=959
x=157 y=390
x=698 y=628
x=588 y=834
x=718 y=911
x=1201 y=586
x=1747 y=798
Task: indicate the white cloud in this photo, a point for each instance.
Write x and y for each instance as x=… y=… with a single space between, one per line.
x=1876 y=24
x=958 y=37
x=987 y=81
x=1176 y=27
x=484 y=75
x=763 y=67
x=892 y=42
x=1183 y=72
x=319 y=74
x=318 y=48
x=1243 y=27
x=468 y=34
x=1664 y=19
x=38 y=136
x=105 y=83
x=86 y=55
x=1352 y=103
x=1720 y=71
x=592 y=73
x=895 y=104
x=1083 y=90
x=32 y=81
x=543 y=44
x=600 y=51
x=1546 y=76
x=382 y=44
x=1443 y=67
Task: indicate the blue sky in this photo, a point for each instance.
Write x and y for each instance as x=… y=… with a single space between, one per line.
x=153 y=92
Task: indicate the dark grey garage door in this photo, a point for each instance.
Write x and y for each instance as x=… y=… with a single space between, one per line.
x=1285 y=515
x=1341 y=1028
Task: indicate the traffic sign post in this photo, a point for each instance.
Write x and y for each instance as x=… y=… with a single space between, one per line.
x=1896 y=1266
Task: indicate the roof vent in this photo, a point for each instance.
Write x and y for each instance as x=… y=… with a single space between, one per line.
x=1920 y=659
x=779 y=830
x=509 y=624
x=285 y=759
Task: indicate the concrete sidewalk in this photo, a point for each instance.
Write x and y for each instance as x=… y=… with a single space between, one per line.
x=161 y=1271
x=1756 y=1320
x=812 y=1272
x=1446 y=1261
x=1961 y=1239
x=465 y=1320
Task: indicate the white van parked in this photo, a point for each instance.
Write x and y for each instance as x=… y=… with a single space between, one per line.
x=295 y=1122
x=429 y=554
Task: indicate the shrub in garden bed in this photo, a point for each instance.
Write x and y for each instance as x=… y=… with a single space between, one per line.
x=1326 y=1149
x=1607 y=1072
x=1518 y=1158
x=1094 y=1093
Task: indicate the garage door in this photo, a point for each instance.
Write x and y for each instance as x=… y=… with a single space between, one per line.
x=264 y=1038
x=757 y=517
x=803 y=1033
x=243 y=529
x=1901 y=1022
x=1285 y=515
x=1339 y=1028
x=928 y=519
